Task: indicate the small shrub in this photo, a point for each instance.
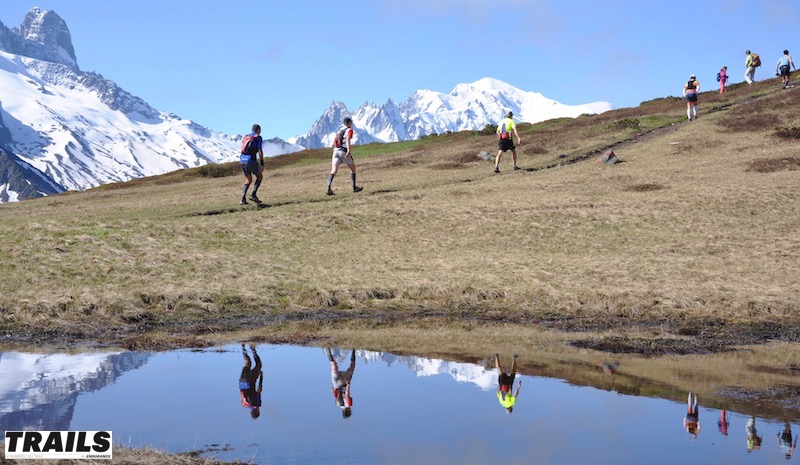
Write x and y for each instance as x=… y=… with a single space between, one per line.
x=489 y=129
x=626 y=123
x=772 y=165
x=788 y=133
x=213 y=170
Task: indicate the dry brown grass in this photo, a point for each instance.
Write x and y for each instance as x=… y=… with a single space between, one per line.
x=682 y=229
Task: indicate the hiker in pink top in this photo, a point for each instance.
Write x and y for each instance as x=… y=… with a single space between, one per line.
x=723 y=78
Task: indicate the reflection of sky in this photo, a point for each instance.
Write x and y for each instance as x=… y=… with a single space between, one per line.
x=186 y=400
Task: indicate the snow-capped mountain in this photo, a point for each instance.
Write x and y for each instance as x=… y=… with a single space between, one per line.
x=39 y=391
x=62 y=128
x=484 y=378
x=467 y=107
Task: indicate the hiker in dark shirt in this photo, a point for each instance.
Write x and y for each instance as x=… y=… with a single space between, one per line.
x=251 y=146
x=251 y=382
x=690 y=90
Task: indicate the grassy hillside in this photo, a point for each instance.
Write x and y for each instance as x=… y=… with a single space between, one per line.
x=697 y=231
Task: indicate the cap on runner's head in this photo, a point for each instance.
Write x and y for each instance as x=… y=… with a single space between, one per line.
x=692 y=77
x=510 y=114
x=347 y=120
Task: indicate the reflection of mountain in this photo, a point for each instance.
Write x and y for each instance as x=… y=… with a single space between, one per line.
x=421 y=366
x=39 y=391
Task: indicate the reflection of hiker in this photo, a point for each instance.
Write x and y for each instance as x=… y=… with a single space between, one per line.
x=785 y=440
x=608 y=368
x=251 y=146
x=750 y=64
x=341 y=382
x=505 y=384
x=723 y=423
x=753 y=439
x=505 y=141
x=690 y=90
x=782 y=68
x=692 y=420
x=722 y=77
x=251 y=381
x=342 y=154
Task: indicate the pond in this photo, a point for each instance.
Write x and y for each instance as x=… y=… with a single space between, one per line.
x=399 y=409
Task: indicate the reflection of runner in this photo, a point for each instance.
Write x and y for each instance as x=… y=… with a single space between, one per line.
x=341 y=382
x=753 y=439
x=723 y=423
x=785 y=440
x=251 y=381
x=692 y=420
x=505 y=384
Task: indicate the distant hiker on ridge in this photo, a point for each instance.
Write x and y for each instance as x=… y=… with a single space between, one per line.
x=505 y=141
x=751 y=62
x=251 y=146
x=722 y=77
x=342 y=154
x=783 y=64
x=690 y=95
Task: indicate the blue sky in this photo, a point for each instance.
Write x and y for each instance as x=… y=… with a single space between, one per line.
x=228 y=64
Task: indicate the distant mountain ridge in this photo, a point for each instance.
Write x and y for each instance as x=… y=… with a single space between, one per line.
x=467 y=107
x=65 y=129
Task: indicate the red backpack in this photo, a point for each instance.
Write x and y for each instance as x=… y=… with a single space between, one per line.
x=250 y=144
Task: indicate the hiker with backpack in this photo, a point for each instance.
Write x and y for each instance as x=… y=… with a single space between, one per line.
x=342 y=154
x=722 y=77
x=752 y=61
x=783 y=65
x=251 y=146
x=690 y=90
x=505 y=141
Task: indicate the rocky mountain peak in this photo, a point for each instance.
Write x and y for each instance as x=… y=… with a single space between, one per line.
x=43 y=35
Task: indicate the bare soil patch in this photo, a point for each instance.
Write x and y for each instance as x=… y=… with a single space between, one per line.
x=772 y=165
x=645 y=187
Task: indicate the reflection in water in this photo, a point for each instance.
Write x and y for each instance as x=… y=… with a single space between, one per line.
x=39 y=391
x=410 y=409
x=785 y=440
x=692 y=419
x=753 y=439
x=341 y=382
x=251 y=382
x=505 y=384
x=723 y=423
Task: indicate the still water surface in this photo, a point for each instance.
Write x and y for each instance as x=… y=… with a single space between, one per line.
x=405 y=410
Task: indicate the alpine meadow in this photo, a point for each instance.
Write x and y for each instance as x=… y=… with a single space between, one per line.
x=694 y=236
